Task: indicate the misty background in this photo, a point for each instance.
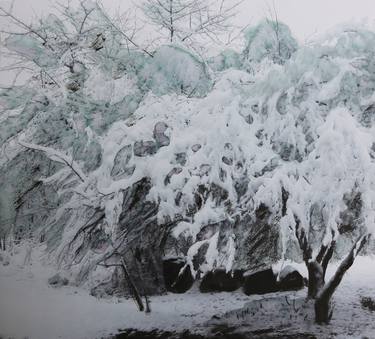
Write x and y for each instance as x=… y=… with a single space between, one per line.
x=307 y=19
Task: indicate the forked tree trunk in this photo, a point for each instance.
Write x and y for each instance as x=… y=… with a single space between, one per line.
x=323 y=309
x=317 y=289
x=315 y=268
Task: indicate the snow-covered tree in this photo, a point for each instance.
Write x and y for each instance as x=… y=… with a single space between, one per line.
x=134 y=157
x=191 y=20
x=67 y=38
x=340 y=164
x=270 y=39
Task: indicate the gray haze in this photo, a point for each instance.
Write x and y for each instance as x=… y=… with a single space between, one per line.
x=306 y=18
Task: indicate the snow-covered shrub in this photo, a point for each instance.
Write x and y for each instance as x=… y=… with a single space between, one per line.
x=270 y=40
x=30 y=48
x=226 y=59
x=174 y=69
x=149 y=158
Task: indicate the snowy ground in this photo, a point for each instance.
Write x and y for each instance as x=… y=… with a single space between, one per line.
x=30 y=308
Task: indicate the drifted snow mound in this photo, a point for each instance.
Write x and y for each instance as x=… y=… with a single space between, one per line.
x=208 y=173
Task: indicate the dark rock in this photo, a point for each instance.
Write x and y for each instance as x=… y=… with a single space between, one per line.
x=260 y=282
x=57 y=280
x=144 y=148
x=221 y=281
x=290 y=279
x=159 y=136
x=173 y=281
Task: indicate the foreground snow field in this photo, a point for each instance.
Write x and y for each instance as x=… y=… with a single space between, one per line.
x=30 y=308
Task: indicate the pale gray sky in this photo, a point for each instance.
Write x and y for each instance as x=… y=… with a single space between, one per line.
x=304 y=17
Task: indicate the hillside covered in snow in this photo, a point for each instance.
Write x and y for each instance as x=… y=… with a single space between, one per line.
x=112 y=156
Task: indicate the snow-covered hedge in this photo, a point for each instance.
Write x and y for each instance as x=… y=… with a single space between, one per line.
x=199 y=157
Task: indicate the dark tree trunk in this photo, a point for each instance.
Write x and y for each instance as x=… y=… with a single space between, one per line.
x=133 y=289
x=323 y=311
x=2 y=243
x=317 y=288
x=316 y=279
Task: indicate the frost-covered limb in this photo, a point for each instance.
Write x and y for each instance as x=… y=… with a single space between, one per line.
x=316 y=272
x=328 y=255
x=87 y=12
x=43 y=69
x=274 y=22
x=87 y=227
x=58 y=157
x=317 y=288
x=25 y=63
x=333 y=283
x=128 y=38
x=185 y=19
x=128 y=278
x=21 y=24
x=302 y=240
